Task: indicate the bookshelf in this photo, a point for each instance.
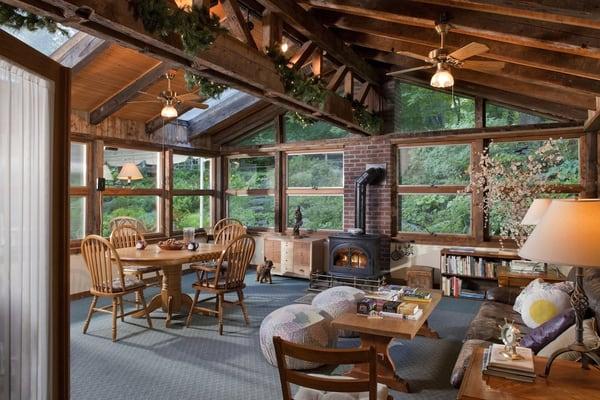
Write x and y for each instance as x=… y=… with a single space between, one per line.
x=469 y=273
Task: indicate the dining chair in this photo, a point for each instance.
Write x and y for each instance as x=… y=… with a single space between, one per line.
x=315 y=385
x=127 y=236
x=222 y=223
x=237 y=256
x=119 y=221
x=226 y=235
x=109 y=280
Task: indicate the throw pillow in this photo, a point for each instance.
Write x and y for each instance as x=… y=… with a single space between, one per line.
x=590 y=339
x=542 y=305
x=539 y=284
x=548 y=331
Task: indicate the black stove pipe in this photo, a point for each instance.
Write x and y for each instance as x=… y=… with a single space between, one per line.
x=368 y=177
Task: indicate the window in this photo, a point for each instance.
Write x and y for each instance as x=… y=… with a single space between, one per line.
x=429 y=179
x=192 y=192
x=251 y=190
x=315 y=183
x=264 y=135
x=296 y=132
x=140 y=197
x=41 y=39
x=420 y=109
x=78 y=190
x=496 y=115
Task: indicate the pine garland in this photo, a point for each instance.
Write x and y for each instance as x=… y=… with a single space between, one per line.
x=206 y=87
x=366 y=120
x=196 y=26
x=301 y=119
x=17 y=19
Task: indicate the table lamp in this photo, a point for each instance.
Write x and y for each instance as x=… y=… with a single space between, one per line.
x=130 y=172
x=536 y=211
x=569 y=234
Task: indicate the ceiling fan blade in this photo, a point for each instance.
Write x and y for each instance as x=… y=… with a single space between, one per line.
x=413 y=55
x=196 y=104
x=403 y=71
x=189 y=96
x=484 y=66
x=470 y=50
x=147 y=94
x=144 y=101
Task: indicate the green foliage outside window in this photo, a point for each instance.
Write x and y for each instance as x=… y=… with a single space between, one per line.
x=252 y=173
x=434 y=213
x=191 y=173
x=146 y=161
x=191 y=211
x=296 y=132
x=253 y=211
x=318 y=212
x=264 y=135
x=420 y=109
x=143 y=208
x=316 y=170
x=502 y=116
x=77 y=217
x=434 y=165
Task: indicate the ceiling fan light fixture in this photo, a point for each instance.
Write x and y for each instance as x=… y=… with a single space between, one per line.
x=442 y=78
x=168 y=111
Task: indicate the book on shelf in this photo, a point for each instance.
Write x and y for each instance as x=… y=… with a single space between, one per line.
x=495 y=364
x=453 y=286
x=474 y=266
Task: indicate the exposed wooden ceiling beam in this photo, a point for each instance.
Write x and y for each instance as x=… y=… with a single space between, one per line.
x=120 y=99
x=576 y=13
x=79 y=51
x=558 y=111
x=227 y=61
x=542 y=35
x=313 y=30
x=239 y=26
x=574 y=65
x=337 y=78
x=592 y=123
x=303 y=54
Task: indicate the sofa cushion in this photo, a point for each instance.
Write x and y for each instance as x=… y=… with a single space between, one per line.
x=542 y=305
x=538 y=285
x=548 y=331
x=491 y=314
x=464 y=357
x=590 y=339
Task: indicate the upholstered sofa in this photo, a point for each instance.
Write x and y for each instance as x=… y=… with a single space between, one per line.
x=498 y=305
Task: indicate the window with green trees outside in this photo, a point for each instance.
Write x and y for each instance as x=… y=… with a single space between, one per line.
x=496 y=115
x=192 y=192
x=253 y=211
x=434 y=165
x=142 y=208
x=435 y=213
x=191 y=212
x=296 y=132
x=261 y=136
x=191 y=172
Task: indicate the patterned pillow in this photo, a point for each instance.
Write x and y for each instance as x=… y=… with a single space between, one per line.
x=542 y=305
x=296 y=323
x=539 y=284
x=337 y=301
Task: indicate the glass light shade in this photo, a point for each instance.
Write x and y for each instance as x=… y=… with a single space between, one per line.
x=536 y=211
x=442 y=78
x=130 y=172
x=567 y=234
x=169 y=111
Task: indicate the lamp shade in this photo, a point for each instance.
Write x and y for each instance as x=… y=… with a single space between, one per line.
x=442 y=78
x=536 y=211
x=130 y=172
x=567 y=234
x=168 y=111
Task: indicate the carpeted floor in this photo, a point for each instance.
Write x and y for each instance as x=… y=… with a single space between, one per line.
x=196 y=363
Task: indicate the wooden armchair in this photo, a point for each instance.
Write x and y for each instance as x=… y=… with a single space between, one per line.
x=127 y=236
x=224 y=222
x=108 y=280
x=226 y=235
x=338 y=384
x=237 y=257
x=119 y=221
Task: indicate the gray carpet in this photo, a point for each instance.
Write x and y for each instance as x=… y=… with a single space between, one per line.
x=197 y=363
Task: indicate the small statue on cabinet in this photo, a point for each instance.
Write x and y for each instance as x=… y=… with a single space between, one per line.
x=298 y=224
x=263 y=272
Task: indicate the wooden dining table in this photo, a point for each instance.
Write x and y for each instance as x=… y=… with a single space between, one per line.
x=171 y=298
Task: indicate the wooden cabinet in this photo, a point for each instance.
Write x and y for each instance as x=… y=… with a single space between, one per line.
x=507 y=278
x=295 y=257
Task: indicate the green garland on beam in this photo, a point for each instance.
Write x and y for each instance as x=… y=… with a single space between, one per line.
x=301 y=119
x=206 y=87
x=196 y=26
x=368 y=121
x=17 y=19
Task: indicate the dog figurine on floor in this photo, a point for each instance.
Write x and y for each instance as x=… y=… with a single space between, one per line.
x=263 y=272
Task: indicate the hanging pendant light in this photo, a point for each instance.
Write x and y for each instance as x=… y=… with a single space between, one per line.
x=168 y=111
x=130 y=172
x=442 y=78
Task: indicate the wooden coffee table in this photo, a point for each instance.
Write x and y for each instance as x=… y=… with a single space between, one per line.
x=380 y=332
x=567 y=380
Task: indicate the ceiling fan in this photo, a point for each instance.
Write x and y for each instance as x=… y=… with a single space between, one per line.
x=445 y=61
x=171 y=100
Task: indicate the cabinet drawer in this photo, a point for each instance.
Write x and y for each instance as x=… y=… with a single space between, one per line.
x=273 y=250
x=301 y=254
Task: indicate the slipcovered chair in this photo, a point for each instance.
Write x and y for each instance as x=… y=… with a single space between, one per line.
x=339 y=300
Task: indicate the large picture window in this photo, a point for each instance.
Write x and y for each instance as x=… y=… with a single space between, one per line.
x=78 y=181
x=192 y=192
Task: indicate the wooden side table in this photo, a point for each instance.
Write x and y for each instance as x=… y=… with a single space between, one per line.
x=420 y=277
x=567 y=380
x=508 y=278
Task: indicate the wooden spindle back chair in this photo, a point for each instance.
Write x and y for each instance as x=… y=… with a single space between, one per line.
x=119 y=221
x=229 y=233
x=222 y=223
x=109 y=280
x=288 y=376
x=236 y=257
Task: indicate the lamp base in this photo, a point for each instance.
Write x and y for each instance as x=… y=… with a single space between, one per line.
x=587 y=355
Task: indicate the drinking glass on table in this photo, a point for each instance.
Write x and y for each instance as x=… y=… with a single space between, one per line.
x=189 y=234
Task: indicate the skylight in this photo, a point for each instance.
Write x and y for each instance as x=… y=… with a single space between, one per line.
x=42 y=40
x=212 y=102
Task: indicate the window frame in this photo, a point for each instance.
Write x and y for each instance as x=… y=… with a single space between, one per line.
x=83 y=191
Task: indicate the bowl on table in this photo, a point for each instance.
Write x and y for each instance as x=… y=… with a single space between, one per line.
x=171 y=244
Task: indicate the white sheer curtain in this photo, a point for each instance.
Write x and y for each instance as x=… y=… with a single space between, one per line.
x=25 y=146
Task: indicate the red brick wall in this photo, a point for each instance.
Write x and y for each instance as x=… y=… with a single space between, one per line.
x=380 y=197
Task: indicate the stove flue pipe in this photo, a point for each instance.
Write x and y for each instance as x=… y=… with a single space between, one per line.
x=368 y=177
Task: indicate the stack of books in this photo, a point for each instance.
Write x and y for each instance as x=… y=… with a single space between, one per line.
x=495 y=364
x=402 y=310
x=415 y=294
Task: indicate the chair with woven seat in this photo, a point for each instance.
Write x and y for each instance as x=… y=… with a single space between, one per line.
x=315 y=386
x=109 y=280
x=237 y=256
x=224 y=222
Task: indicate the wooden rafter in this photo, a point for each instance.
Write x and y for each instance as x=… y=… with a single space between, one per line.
x=239 y=27
x=325 y=39
x=303 y=54
x=506 y=29
x=272 y=29
x=592 y=124
x=120 y=99
x=337 y=78
x=537 y=58
x=79 y=51
x=228 y=60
